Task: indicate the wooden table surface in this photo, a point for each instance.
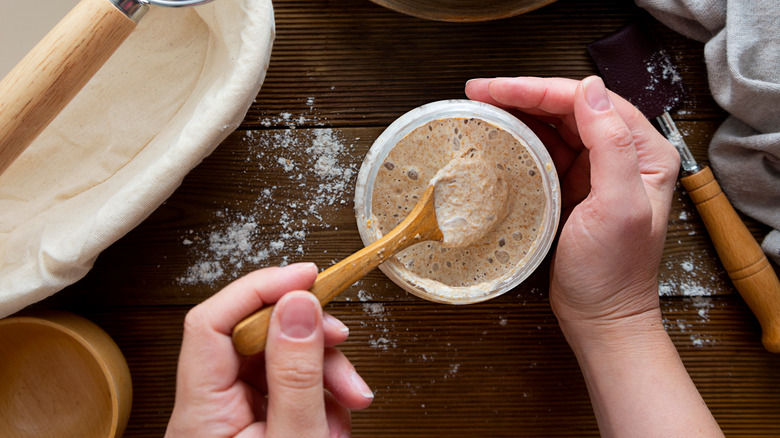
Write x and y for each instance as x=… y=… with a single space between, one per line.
x=340 y=72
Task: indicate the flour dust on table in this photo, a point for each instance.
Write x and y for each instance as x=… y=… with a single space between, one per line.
x=274 y=228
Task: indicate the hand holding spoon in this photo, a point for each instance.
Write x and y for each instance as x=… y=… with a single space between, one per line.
x=463 y=202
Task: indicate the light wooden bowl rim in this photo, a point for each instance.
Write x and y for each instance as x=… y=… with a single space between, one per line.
x=101 y=348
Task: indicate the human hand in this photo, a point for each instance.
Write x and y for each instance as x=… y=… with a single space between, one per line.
x=222 y=394
x=618 y=175
x=617 y=179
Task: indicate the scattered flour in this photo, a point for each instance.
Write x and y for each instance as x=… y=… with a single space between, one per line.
x=688 y=288
x=688 y=277
x=274 y=229
x=377 y=316
x=453 y=371
x=287 y=119
x=376 y=309
x=702 y=305
x=381 y=343
x=662 y=70
x=363 y=295
x=684 y=277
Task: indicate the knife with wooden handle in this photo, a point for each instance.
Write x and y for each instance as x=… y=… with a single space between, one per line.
x=634 y=65
x=741 y=256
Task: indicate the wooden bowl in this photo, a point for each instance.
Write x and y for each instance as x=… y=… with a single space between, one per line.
x=61 y=375
x=463 y=10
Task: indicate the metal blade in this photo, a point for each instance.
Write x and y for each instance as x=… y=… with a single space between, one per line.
x=674 y=136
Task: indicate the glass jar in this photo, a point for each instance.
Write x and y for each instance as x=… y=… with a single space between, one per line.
x=459 y=109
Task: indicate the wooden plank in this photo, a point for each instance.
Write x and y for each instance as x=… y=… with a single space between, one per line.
x=354 y=63
x=495 y=369
x=226 y=191
x=226 y=194
x=499 y=368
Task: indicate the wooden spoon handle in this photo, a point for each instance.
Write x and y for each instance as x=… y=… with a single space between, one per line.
x=55 y=70
x=250 y=334
x=745 y=262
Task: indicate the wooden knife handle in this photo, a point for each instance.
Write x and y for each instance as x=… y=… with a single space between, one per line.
x=745 y=262
x=55 y=70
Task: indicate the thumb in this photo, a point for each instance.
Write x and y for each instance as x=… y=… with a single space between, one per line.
x=294 y=359
x=615 y=178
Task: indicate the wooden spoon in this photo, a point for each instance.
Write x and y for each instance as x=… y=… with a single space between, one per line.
x=464 y=200
x=249 y=335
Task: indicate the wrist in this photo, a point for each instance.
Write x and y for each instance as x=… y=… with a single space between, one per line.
x=636 y=381
x=636 y=332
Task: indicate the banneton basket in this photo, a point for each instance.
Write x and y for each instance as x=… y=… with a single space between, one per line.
x=165 y=100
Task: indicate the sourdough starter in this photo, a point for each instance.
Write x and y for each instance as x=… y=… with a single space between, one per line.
x=413 y=163
x=470 y=197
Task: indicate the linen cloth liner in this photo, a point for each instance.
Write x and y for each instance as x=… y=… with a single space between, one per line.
x=172 y=92
x=742 y=53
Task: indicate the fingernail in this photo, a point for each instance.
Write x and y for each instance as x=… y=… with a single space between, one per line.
x=596 y=94
x=302 y=267
x=298 y=317
x=334 y=322
x=361 y=385
x=476 y=81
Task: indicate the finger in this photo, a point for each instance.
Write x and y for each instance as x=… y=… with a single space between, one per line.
x=254 y=430
x=532 y=95
x=616 y=182
x=338 y=417
x=293 y=360
x=659 y=164
x=555 y=97
x=343 y=381
x=253 y=291
x=335 y=331
x=563 y=144
x=208 y=326
x=477 y=89
x=543 y=97
x=657 y=161
x=540 y=97
x=551 y=96
x=253 y=367
x=562 y=154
